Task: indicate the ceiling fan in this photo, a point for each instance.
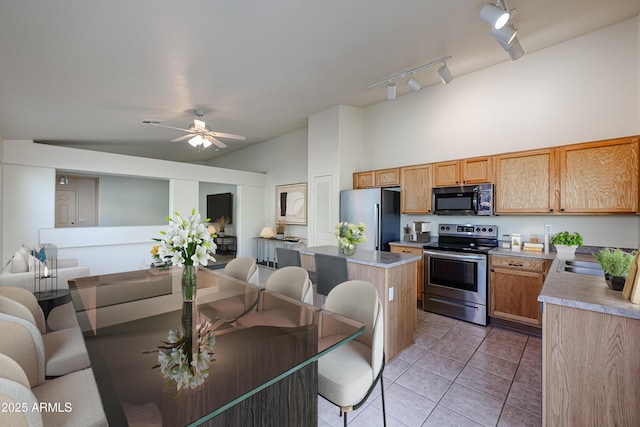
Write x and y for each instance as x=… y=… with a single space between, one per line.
x=198 y=134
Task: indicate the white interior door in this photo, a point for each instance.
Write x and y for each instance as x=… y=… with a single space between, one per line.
x=322 y=208
x=66 y=211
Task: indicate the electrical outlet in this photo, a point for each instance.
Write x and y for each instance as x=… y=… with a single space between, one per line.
x=391 y=294
x=142 y=261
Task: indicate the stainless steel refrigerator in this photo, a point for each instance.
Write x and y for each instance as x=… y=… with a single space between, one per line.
x=378 y=209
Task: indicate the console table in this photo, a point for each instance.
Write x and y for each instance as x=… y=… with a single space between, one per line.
x=260 y=375
x=226 y=243
x=266 y=249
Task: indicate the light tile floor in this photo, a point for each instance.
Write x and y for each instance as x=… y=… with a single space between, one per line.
x=455 y=374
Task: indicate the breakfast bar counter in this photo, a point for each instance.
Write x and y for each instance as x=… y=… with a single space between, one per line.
x=591 y=341
x=394 y=276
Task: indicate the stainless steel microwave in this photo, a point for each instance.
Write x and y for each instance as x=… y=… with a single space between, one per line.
x=463 y=200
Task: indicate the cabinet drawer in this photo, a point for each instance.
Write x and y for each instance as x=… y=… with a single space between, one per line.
x=406 y=250
x=520 y=263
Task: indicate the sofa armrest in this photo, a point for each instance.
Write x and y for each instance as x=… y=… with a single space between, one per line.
x=67 y=263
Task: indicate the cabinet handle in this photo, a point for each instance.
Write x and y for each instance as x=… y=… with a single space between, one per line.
x=562 y=210
x=550 y=210
x=406 y=251
x=492 y=270
x=516 y=265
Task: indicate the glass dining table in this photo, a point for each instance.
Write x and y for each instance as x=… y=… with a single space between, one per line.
x=237 y=355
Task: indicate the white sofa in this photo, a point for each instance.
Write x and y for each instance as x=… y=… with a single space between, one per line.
x=61 y=317
x=67 y=269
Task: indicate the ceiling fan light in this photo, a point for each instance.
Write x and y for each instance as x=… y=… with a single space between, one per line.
x=206 y=143
x=494 y=15
x=445 y=74
x=414 y=85
x=195 y=141
x=505 y=34
x=199 y=124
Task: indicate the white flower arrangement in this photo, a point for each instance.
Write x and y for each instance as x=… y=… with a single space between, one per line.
x=187 y=241
x=179 y=362
x=350 y=234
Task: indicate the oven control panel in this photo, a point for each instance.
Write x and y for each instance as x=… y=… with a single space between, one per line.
x=469 y=230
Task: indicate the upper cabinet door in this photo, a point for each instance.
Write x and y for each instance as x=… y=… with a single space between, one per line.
x=415 y=189
x=364 y=180
x=477 y=171
x=446 y=174
x=525 y=182
x=462 y=172
x=599 y=177
x=388 y=177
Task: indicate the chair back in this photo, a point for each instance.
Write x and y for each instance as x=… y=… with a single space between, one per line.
x=26 y=298
x=241 y=268
x=288 y=257
x=18 y=394
x=14 y=308
x=20 y=342
x=358 y=300
x=330 y=271
x=290 y=281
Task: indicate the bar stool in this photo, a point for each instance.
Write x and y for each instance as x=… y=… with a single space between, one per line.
x=291 y=258
x=330 y=271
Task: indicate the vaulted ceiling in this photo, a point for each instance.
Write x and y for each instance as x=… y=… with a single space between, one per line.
x=86 y=73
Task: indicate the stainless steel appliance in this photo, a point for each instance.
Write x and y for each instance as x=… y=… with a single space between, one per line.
x=463 y=200
x=455 y=271
x=378 y=209
x=421 y=231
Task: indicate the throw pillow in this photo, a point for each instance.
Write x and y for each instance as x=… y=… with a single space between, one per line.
x=38 y=252
x=20 y=261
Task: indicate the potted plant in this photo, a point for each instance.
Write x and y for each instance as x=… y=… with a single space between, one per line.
x=615 y=263
x=566 y=243
x=280 y=228
x=222 y=222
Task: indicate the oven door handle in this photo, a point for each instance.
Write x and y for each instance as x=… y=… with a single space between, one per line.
x=455 y=256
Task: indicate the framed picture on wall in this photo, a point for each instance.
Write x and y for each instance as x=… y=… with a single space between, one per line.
x=291 y=203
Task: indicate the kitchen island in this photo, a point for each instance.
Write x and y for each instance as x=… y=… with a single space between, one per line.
x=591 y=348
x=394 y=276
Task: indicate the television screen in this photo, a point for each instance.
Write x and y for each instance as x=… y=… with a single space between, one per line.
x=220 y=205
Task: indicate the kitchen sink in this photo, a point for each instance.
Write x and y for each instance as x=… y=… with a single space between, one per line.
x=580 y=267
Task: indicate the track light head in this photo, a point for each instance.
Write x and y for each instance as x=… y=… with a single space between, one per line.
x=63 y=180
x=495 y=16
x=514 y=49
x=445 y=74
x=414 y=85
x=505 y=34
x=391 y=91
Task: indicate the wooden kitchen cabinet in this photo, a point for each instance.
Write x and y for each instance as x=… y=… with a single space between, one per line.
x=514 y=285
x=463 y=172
x=415 y=189
x=399 y=249
x=525 y=182
x=599 y=177
x=378 y=178
x=364 y=180
x=388 y=177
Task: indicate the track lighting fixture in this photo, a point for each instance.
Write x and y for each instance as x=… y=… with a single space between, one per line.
x=445 y=74
x=497 y=15
x=514 y=49
x=505 y=34
x=412 y=83
x=63 y=180
x=391 y=91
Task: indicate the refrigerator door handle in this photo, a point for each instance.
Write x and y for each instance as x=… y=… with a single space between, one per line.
x=378 y=228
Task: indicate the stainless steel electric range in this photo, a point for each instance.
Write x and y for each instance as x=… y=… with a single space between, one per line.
x=456 y=273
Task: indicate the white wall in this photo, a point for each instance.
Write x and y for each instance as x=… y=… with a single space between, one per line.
x=582 y=90
x=283 y=160
x=28 y=194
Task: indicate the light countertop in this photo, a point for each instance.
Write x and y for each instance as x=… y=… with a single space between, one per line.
x=364 y=256
x=585 y=292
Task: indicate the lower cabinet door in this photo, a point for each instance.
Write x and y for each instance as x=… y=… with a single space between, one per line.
x=514 y=295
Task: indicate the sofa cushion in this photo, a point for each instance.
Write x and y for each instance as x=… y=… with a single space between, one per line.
x=19 y=263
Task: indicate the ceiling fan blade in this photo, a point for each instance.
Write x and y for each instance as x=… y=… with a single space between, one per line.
x=155 y=123
x=227 y=135
x=183 y=138
x=216 y=142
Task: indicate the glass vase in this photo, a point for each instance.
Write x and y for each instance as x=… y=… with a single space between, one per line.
x=189 y=282
x=348 y=251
